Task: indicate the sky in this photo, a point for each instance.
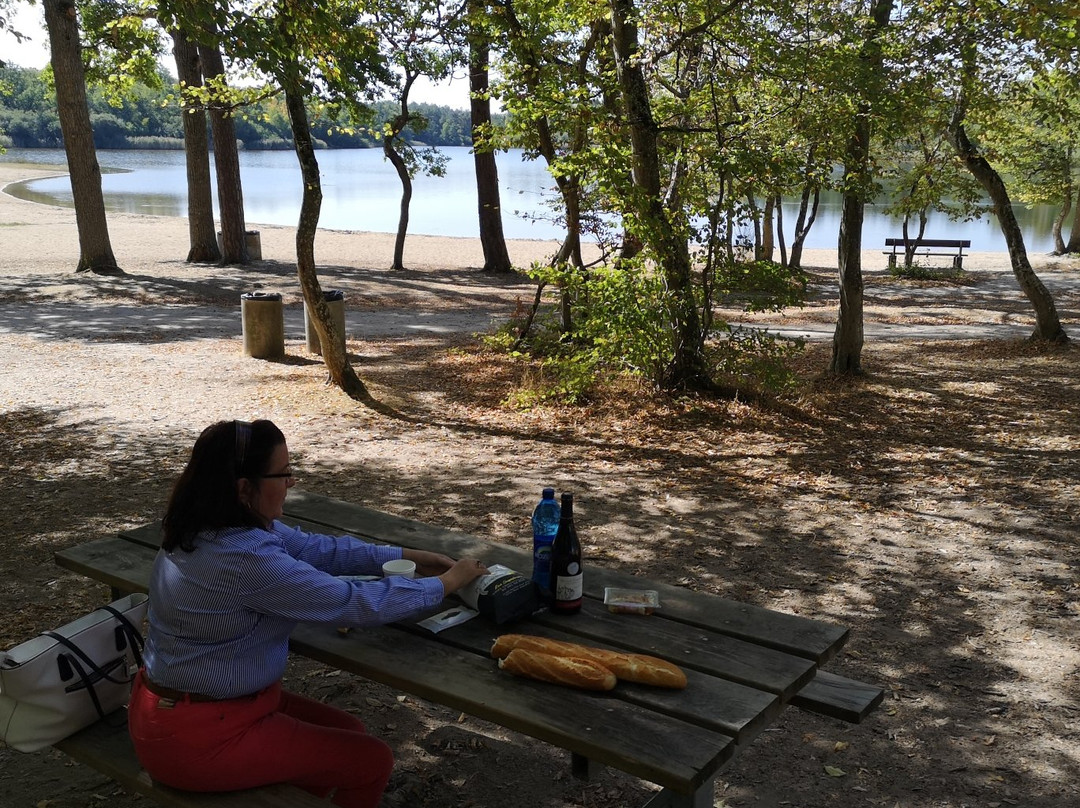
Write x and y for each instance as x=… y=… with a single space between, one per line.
x=35 y=53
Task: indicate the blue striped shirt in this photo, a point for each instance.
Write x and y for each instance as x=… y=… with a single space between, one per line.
x=220 y=617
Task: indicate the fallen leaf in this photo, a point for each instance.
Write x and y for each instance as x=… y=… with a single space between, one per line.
x=832 y=771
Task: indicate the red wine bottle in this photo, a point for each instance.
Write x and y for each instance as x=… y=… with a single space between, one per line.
x=566 y=575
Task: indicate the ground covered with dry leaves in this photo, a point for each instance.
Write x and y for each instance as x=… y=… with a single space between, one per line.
x=931 y=505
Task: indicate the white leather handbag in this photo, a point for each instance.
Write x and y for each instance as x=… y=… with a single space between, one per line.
x=64 y=680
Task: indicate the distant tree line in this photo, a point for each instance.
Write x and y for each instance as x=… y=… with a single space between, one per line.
x=149 y=118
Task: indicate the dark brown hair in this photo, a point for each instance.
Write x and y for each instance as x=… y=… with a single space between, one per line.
x=205 y=496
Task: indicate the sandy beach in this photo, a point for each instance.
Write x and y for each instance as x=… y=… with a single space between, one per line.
x=931 y=507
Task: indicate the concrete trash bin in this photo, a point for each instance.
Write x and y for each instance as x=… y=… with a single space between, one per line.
x=335 y=299
x=263 y=323
x=253 y=239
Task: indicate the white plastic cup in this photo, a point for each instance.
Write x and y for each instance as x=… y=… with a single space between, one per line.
x=399 y=566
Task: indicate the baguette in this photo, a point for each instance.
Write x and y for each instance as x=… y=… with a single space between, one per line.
x=638 y=668
x=559 y=670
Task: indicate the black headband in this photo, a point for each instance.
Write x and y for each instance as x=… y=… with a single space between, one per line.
x=243 y=440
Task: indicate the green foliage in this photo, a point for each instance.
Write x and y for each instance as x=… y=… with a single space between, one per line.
x=151 y=115
x=620 y=316
x=563 y=379
x=753 y=359
x=759 y=285
x=1036 y=137
x=917 y=271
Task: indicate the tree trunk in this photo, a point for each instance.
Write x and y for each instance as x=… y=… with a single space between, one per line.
x=911 y=244
x=489 y=207
x=1074 y=232
x=848 y=336
x=202 y=238
x=768 y=238
x=781 y=242
x=1047 y=323
x=227 y=167
x=1059 y=223
x=397 y=126
x=95 y=249
x=406 y=200
x=686 y=368
x=803 y=222
x=755 y=217
x=337 y=363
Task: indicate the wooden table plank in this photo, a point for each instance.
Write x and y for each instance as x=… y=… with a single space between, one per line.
x=791 y=634
x=688 y=646
x=709 y=701
x=599 y=726
x=117 y=562
x=839 y=697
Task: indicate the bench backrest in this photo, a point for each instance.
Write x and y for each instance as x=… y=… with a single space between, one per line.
x=927 y=242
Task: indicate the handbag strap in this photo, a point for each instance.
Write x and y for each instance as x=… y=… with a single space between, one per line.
x=134 y=636
x=80 y=654
x=87 y=682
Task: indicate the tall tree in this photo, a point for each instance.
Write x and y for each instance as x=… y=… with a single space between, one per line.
x=202 y=246
x=488 y=202
x=325 y=52
x=337 y=362
x=1047 y=323
x=412 y=43
x=848 y=336
x=668 y=246
x=95 y=248
x=226 y=158
x=983 y=45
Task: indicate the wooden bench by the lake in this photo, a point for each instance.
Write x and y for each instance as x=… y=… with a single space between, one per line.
x=953 y=248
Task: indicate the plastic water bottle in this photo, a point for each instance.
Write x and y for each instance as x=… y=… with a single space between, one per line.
x=545 y=524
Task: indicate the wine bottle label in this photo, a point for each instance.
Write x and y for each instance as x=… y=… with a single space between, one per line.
x=569 y=587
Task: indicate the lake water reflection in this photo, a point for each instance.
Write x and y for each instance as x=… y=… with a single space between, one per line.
x=362 y=192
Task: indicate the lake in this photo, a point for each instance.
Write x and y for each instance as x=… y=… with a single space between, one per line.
x=361 y=191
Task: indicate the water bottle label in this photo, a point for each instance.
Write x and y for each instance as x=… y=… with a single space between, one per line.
x=569 y=587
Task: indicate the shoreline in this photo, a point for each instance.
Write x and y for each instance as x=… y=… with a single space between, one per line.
x=523 y=251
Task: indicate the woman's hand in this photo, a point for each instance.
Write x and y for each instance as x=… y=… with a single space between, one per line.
x=428 y=563
x=462 y=573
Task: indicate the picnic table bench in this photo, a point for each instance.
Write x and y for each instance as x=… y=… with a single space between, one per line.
x=927 y=246
x=744 y=663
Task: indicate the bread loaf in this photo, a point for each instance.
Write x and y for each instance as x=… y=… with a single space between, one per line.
x=638 y=668
x=560 y=670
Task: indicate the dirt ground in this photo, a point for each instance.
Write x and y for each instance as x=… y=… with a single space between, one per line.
x=931 y=505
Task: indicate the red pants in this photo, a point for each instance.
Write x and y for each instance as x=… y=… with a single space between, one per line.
x=271 y=737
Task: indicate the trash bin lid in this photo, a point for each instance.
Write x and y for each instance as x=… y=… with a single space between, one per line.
x=333 y=294
x=264 y=296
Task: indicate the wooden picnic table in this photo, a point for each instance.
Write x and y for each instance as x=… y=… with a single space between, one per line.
x=744 y=663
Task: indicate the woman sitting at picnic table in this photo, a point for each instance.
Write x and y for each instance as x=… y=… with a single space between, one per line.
x=208 y=712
